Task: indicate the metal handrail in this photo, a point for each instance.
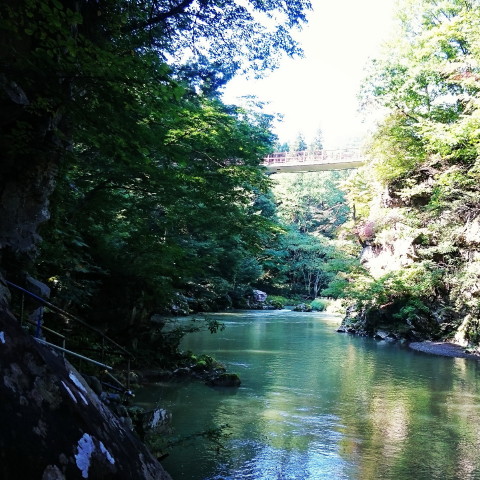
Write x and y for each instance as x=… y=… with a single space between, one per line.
x=82 y=357
x=120 y=350
x=49 y=330
x=69 y=316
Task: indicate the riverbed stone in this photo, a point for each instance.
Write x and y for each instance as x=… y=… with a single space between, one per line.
x=182 y=372
x=302 y=307
x=380 y=335
x=224 y=380
x=259 y=296
x=391 y=337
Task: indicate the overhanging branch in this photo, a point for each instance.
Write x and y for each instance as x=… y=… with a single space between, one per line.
x=160 y=18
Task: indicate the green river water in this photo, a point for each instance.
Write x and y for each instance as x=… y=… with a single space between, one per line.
x=315 y=404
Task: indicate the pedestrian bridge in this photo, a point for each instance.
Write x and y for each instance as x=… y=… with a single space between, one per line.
x=305 y=161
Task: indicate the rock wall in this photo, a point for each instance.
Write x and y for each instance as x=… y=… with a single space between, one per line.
x=27 y=168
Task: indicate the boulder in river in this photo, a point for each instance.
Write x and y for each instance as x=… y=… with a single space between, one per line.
x=224 y=380
x=302 y=307
x=259 y=296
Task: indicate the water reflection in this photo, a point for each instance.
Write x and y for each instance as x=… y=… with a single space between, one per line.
x=315 y=404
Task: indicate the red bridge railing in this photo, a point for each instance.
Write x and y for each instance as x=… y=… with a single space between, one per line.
x=313 y=157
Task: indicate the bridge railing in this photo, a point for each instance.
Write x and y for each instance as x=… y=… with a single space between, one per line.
x=312 y=157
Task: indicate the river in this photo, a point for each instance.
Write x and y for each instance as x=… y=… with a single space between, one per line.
x=315 y=404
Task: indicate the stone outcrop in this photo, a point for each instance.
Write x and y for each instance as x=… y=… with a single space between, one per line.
x=303 y=307
x=224 y=380
x=53 y=425
x=259 y=296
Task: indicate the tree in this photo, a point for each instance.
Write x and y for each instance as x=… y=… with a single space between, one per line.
x=426 y=81
x=300 y=144
x=317 y=142
x=282 y=147
x=162 y=221
x=304 y=257
x=303 y=264
x=227 y=36
x=60 y=57
x=98 y=93
x=313 y=201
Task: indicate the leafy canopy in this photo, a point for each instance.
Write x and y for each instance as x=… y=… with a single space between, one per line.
x=157 y=178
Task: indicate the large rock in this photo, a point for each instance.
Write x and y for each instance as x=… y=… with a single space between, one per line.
x=152 y=422
x=37 y=287
x=53 y=425
x=259 y=296
x=302 y=307
x=224 y=380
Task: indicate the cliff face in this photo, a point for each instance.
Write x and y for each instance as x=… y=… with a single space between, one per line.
x=53 y=425
x=31 y=151
x=422 y=263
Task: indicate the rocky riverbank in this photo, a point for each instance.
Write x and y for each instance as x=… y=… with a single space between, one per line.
x=445 y=349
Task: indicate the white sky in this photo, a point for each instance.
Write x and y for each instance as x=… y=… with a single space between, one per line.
x=320 y=90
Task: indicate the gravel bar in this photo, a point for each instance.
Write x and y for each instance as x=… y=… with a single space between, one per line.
x=444 y=349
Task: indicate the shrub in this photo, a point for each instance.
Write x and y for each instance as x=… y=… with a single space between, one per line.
x=319 y=304
x=276 y=301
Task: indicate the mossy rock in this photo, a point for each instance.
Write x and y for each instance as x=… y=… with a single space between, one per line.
x=303 y=307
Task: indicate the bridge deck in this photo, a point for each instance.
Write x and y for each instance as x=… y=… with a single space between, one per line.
x=313 y=161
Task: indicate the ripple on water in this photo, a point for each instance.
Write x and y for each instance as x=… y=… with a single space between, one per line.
x=263 y=462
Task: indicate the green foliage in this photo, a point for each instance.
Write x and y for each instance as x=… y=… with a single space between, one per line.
x=305 y=256
x=359 y=192
x=418 y=280
x=313 y=202
x=426 y=81
x=317 y=142
x=319 y=304
x=278 y=302
x=282 y=147
x=418 y=196
x=397 y=148
x=299 y=145
x=303 y=264
x=159 y=187
x=411 y=310
x=403 y=296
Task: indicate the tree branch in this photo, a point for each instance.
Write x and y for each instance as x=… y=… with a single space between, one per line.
x=402 y=110
x=161 y=17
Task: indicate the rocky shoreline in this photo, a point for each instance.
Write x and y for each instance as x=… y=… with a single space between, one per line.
x=444 y=349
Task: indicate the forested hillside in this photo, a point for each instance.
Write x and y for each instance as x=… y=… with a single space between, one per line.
x=417 y=203
x=310 y=208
